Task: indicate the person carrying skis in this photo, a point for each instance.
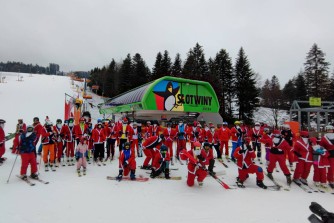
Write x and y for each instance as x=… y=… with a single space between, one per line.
x=127 y=163
x=2 y=140
x=196 y=165
x=245 y=155
x=161 y=163
x=27 y=149
x=48 y=142
x=81 y=153
x=303 y=153
x=278 y=152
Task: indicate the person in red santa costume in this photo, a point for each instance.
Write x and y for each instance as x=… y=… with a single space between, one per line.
x=150 y=147
x=161 y=162
x=169 y=134
x=196 y=164
x=225 y=135
x=320 y=164
x=244 y=155
x=278 y=152
x=127 y=163
x=327 y=141
x=303 y=155
x=79 y=130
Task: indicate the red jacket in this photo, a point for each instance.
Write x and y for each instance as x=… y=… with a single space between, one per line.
x=158 y=158
x=224 y=134
x=67 y=132
x=234 y=133
x=147 y=131
x=78 y=132
x=244 y=160
x=2 y=138
x=48 y=137
x=121 y=158
x=209 y=135
x=192 y=166
x=266 y=140
x=327 y=143
x=283 y=147
x=38 y=129
x=156 y=130
x=113 y=132
x=209 y=156
x=255 y=135
x=153 y=142
x=303 y=151
x=193 y=133
x=169 y=134
x=98 y=136
x=57 y=131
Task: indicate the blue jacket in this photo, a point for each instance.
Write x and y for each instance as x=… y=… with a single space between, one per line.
x=27 y=144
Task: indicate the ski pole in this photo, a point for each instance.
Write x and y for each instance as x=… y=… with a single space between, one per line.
x=13 y=166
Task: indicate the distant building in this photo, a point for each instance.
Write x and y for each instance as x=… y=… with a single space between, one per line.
x=54 y=68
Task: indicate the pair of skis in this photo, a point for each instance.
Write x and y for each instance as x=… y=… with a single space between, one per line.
x=28 y=180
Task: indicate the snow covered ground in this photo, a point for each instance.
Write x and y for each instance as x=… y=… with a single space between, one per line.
x=92 y=198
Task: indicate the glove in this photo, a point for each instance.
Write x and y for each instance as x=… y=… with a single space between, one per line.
x=320 y=151
x=77 y=158
x=125 y=164
x=242 y=151
x=200 y=157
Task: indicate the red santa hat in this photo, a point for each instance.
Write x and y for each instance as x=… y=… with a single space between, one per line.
x=125 y=120
x=313 y=140
x=276 y=132
x=304 y=134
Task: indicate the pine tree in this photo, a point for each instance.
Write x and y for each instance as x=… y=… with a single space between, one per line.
x=140 y=71
x=316 y=73
x=224 y=69
x=246 y=91
x=126 y=74
x=195 y=66
x=177 y=66
x=288 y=94
x=214 y=80
x=166 y=64
x=301 y=93
x=157 y=69
x=331 y=89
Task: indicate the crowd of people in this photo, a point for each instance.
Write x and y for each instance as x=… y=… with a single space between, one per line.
x=68 y=143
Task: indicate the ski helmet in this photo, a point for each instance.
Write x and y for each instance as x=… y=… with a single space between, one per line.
x=127 y=145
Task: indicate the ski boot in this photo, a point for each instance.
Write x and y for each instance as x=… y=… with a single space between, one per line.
x=46 y=167
x=304 y=181
x=270 y=175
x=200 y=183
x=259 y=183
x=120 y=175
x=331 y=184
x=52 y=167
x=68 y=162
x=288 y=180
x=297 y=181
x=132 y=175
x=210 y=168
x=240 y=183
x=78 y=171
x=72 y=162
x=34 y=176
x=167 y=173
x=317 y=184
x=153 y=174
x=24 y=177
x=84 y=171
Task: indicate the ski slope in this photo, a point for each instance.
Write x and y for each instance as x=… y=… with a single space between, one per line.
x=92 y=198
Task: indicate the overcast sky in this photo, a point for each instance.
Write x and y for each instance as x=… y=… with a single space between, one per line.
x=81 y=34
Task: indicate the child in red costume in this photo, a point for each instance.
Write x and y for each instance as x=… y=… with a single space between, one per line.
x=161 y=163
x=244 y=155
x=150 y=147
x=127 y=163
x=196 y=164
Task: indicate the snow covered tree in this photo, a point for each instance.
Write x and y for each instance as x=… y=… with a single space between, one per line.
x=195 y=66
x=246 y=91
x=272 y=97
x=316 y=73
x=177 y=66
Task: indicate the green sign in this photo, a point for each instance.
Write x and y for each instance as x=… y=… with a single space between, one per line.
x=315 y=101
x=176 y=94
